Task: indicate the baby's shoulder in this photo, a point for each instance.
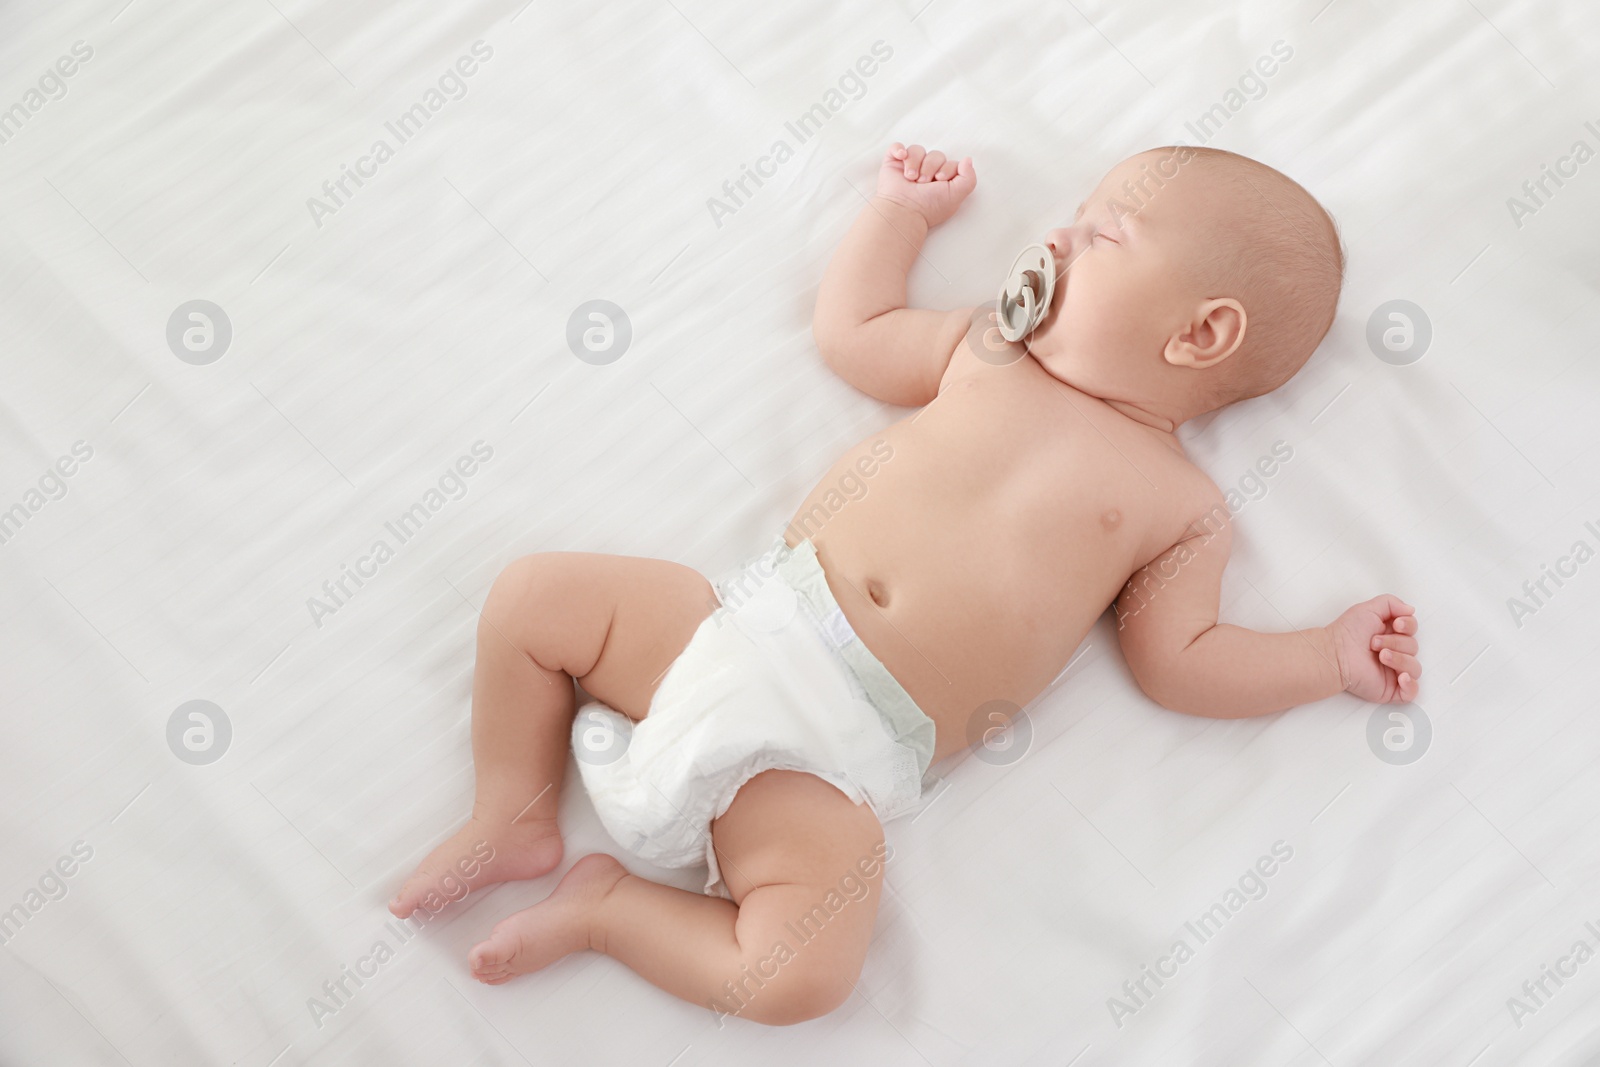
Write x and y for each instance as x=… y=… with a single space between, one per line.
x=1193 y=500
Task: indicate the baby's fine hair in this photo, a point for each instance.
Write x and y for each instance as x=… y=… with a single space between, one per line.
x=1272 y=246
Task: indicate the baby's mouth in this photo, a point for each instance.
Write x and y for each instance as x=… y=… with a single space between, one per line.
x=1034 y=280
x=1027 y=293
x=1059 y=296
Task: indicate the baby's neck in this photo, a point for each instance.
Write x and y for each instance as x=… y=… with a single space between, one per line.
x=1161 y=403
x=1142 y=416
x=1162 y=417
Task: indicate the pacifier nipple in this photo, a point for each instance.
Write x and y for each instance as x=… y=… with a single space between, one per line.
x=1025 y=297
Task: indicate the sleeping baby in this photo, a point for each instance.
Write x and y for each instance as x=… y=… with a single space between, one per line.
x=769 y=724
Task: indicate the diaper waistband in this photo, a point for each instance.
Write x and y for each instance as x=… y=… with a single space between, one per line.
x=906 y=723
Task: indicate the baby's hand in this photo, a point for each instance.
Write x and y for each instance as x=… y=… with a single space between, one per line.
x=1376 y=645
x=926 y=182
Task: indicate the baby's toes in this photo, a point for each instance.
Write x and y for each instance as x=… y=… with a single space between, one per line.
x=494 y=978
x=493 y=955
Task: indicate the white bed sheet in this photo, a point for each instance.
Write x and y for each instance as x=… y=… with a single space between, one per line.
x=375 y=345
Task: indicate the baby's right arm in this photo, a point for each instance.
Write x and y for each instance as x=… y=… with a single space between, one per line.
x=862 y=327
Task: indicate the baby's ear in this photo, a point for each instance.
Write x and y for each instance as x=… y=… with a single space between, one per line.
x=1212 y=335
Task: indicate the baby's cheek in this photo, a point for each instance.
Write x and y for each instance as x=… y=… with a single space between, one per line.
x=1092 y=312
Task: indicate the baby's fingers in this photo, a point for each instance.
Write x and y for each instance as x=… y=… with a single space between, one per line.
x=966 y=178
x=1400 y=661
x=1408 y=687
x=1394 y=609
x=1398 y=642
x=914 y=156
x=930 y=166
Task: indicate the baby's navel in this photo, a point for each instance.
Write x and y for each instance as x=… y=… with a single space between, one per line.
x=879 y=595
x=1111 y=519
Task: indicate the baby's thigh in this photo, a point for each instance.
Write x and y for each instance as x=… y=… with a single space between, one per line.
x=615 y=623
x=812 y=858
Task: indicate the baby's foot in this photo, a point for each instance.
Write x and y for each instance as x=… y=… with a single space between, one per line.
x=482 y=853
x=555 y=927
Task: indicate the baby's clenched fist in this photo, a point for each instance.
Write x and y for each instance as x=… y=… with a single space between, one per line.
x=929 y=183
x=1376 y=645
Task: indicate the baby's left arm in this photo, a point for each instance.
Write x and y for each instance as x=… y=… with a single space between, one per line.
x=1186 y=660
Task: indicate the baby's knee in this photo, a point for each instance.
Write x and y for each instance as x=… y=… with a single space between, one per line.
x=525 y=582
x=794 y=995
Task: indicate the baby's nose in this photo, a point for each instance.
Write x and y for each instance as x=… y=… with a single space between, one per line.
x=1065 y=242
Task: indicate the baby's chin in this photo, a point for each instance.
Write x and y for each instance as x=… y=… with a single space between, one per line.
x=1059 y=361
x=1088 y=369
x=1054 y=346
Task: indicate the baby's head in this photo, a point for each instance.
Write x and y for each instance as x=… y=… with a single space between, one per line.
x=1191 y=278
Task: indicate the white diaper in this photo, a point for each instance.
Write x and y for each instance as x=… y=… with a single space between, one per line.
x=775 y=678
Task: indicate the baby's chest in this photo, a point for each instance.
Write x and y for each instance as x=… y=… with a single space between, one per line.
x=1052 y=463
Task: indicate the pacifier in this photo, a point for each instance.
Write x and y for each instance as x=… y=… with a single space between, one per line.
x=1025 y=297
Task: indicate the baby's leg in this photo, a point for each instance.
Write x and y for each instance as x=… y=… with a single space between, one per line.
x=804 y=866
x=616 y=622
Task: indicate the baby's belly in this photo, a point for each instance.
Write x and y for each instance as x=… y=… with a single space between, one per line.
x=968 y=595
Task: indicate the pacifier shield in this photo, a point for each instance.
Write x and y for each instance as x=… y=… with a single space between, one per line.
x=1025 y=296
